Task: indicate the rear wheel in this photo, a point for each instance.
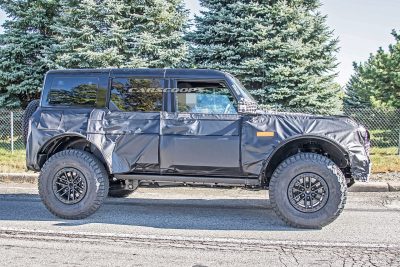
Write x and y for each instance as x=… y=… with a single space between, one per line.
x=73 y=184
x=30 y=109
x=308 y=190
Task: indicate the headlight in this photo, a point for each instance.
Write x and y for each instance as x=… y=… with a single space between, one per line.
x=364 y=133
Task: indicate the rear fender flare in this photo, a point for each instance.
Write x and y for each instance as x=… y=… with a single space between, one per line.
x=54 y=142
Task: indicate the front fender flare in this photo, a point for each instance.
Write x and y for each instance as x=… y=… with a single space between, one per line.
x=341 y=159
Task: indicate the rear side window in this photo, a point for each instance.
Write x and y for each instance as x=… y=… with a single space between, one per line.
x=73 y=91
x=133 y=94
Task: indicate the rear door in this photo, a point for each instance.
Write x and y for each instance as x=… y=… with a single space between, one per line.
x=132 y=125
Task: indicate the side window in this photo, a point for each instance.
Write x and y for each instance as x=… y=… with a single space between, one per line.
x=132 y=94
x=73 y=91
x=204 y=97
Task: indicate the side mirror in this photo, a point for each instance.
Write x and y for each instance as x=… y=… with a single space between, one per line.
x=246 y=106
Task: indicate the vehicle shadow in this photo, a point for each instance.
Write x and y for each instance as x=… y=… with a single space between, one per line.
x=192 y=214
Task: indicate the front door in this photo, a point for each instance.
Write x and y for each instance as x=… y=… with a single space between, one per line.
x=201 y=133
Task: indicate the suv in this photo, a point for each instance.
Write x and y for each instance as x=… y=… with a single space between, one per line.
x=104 y=132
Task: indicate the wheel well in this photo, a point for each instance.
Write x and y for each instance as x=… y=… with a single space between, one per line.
x=68 y=142
x=321 y=146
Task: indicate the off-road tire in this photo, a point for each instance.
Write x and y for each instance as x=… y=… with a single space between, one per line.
x=30 y=109
x=116 y=192
x=96 y=179
x=307 y=163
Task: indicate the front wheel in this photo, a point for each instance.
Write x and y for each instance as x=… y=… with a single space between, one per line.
x=73 y=184
x=308 y=190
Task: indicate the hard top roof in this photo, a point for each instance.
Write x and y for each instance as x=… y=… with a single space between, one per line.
x=145 y=72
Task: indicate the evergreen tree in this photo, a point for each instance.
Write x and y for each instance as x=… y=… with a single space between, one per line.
x=120 y=33
x=22 y=60
x=281 y=50
x=376 y=82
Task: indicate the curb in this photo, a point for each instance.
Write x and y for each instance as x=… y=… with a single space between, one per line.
x=394 y=186
x=390 y=186
x=370 y=187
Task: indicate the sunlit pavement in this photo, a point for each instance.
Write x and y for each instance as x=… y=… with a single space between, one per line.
x=187 y=226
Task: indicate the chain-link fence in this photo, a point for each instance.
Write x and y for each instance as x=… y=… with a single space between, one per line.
x=384 y=127
x=11 y=130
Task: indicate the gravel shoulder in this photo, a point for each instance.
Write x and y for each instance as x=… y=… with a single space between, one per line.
x=389 y=176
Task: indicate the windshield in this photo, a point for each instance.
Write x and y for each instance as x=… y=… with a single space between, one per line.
x=239 y=88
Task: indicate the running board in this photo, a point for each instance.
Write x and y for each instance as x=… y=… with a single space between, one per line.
x=188 y=179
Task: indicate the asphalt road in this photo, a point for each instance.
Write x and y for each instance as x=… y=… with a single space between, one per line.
x=195 y=227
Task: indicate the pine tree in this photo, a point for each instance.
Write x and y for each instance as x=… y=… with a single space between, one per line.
x=120 y=33
x=22 y=59
x=376 y=82
x=281 y=50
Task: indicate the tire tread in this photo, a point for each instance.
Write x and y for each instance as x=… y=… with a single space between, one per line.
x=316 y=158
x=98 y=170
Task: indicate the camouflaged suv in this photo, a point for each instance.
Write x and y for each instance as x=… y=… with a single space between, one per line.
x=104 y=132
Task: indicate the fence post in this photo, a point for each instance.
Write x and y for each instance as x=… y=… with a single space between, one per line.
x=398 y=148
x=12 y=132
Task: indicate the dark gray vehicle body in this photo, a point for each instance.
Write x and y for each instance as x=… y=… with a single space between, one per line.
x=243 y=145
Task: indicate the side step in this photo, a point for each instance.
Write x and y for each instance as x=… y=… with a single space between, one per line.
x=188 y=179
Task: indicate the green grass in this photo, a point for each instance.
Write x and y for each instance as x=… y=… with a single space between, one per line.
x=12 y=162
x=385 y=159
x=392 y=150
x=385 y=163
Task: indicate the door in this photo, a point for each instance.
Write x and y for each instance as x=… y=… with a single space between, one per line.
x=132 y=127
x=201 y=133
